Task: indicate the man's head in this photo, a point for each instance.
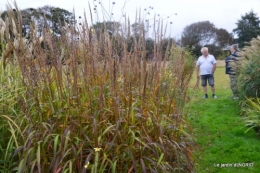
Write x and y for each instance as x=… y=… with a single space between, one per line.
x=233 y=48
x=205 y=51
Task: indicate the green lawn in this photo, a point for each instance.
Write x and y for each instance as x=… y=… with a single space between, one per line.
x=220 y=133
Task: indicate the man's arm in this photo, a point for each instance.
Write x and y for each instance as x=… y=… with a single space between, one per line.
x=214 y=65
x=198 y=71
x=214 y=68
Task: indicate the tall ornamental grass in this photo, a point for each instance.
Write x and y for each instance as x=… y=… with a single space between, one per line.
x=87 y=102
x=248 y=68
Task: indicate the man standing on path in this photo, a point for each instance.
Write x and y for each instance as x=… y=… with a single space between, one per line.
x=206 y=66
x=230 y=69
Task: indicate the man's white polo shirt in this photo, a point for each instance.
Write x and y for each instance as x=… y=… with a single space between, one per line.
x=206 y=64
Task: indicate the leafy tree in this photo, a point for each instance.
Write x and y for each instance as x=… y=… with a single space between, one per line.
x=110 y=27
x=140 y=28
x=50 y=16
x=248 y=27
x=199 y=34
x=149 y=47
x=58 y=17
x=223 y=38
x=136 y=28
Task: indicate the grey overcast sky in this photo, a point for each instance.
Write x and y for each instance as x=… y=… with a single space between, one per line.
x=223 y=13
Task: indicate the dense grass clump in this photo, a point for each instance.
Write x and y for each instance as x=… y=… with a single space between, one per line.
x=251 y=114
x=86 y=102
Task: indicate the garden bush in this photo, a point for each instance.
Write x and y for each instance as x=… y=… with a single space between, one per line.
x=79 y=102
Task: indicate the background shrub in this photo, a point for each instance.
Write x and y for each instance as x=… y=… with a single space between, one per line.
x=223 y=55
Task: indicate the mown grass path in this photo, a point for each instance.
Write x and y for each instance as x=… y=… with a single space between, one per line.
x=220 y=133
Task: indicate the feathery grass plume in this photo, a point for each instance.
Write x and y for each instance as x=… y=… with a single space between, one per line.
x=92 y=88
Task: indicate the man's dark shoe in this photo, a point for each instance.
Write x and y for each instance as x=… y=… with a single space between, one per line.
x=205 y=97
